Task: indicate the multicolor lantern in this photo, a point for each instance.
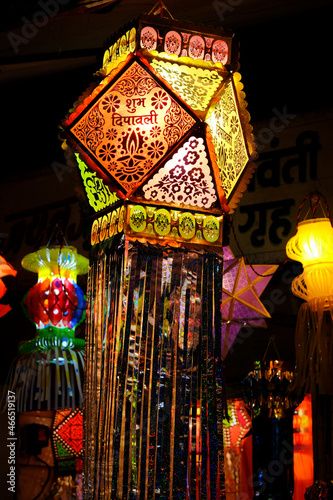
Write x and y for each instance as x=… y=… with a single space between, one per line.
x=67 y=438
x=56 y=304
x=235 y=428
x=168 y=133
x=47 y=374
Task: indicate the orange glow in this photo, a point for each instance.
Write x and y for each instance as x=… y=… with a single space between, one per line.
x=5 y=270
x=131 y=126
x=225 y=122
x=303 y=448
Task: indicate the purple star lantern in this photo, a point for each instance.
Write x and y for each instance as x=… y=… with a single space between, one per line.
x=242 y=286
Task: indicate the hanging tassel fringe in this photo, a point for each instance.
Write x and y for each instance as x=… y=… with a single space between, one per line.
x=47 y=380
x=154 y=390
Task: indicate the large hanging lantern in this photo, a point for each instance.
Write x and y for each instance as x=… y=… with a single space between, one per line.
x=164 y=148
x=47 y=374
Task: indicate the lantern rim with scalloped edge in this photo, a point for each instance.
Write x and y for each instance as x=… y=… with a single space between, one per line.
x=61 y=261
x=313 y=247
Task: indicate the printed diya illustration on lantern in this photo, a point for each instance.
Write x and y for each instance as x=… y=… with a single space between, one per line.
x=164 y=147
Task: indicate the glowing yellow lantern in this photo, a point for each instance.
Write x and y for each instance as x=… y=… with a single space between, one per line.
x=313 y=247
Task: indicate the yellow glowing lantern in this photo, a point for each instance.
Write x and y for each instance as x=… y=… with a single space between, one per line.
x=313 y=247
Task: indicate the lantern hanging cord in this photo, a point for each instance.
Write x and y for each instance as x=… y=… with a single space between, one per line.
x=244 y=256
x=271 y=342
x=313 y=204
x=58 y=236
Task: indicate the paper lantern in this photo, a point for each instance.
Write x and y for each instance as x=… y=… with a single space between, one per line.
x=303 y=448
x=67 y=439
x=313 y=247
x=47 y=374
x=168 y=133
x=56 y=304
x=242 y=286
x=235 y=428
x=168 y=122
x=5 y=270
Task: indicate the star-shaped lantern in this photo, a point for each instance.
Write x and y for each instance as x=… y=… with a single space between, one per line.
x=242 y=286
x=166 y=126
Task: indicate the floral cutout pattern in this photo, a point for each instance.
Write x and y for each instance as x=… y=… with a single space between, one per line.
x=132 y=126
x=228 y=140
x=177 y=43
x=196 y=86
x=118 y=51
x=99 y=195
x=185 y=179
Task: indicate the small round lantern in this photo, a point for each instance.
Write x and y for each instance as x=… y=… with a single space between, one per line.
x=56 y=304
x=47 y=374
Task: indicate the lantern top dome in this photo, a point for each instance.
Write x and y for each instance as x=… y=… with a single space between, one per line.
x=57 y=259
